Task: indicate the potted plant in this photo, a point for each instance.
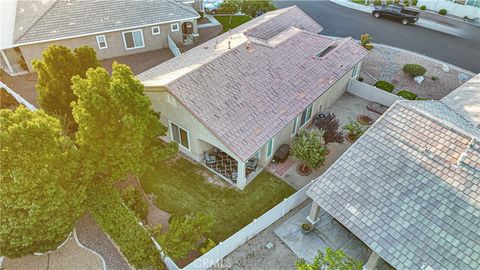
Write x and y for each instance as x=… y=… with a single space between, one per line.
x=309 y=148
x=354 y=130
x=306 y=227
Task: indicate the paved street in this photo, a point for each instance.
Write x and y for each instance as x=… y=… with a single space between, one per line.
x=341 y=21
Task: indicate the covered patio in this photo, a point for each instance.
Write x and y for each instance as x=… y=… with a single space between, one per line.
x=229 y=168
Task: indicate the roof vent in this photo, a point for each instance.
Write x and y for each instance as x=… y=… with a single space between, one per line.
x=326 y=50
x=248 y=45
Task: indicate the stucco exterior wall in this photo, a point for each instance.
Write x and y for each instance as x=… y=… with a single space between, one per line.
x=326 y=100
x=115 y=42
x=172 y=111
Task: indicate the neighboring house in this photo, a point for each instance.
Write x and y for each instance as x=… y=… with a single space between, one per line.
x=112 y=28
x=409 y=188
x=460 y=8
x=232 y=101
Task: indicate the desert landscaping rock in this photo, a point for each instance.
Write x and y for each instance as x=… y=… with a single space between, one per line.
x=91 y=236
x=386 y=63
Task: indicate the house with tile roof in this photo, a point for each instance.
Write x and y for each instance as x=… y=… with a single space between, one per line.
x=112 y=28
x=409 y=188
x=231 y=102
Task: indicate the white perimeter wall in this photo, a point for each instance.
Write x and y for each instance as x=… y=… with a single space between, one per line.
x=452 y=8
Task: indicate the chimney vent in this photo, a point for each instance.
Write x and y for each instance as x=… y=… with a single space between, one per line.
x=229 y=47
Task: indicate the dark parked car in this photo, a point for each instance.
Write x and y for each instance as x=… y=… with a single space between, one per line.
x=400 y=13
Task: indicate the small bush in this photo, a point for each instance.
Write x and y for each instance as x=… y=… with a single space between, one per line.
x=397 y=2
x=384 y=85
x=134 y=200
x=407 y=95
x=423 y=7
x=207 y=246
x=366 y=41
x=434 y=78
x=330 y=125
x=354 y=128
x=406 y=3
x=421 y=98
x=442 y=11
x=414 y=2
x=377 y=2
x=414 y=69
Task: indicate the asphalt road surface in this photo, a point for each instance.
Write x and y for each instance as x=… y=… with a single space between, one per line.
x=343 y=22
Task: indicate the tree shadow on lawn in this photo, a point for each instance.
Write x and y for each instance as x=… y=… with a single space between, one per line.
x=181 y=188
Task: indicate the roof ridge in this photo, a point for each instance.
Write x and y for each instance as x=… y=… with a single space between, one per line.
x=183 y=7
x=36 y=21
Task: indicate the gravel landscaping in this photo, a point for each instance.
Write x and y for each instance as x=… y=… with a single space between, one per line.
x=386 y=63
x=91 y=236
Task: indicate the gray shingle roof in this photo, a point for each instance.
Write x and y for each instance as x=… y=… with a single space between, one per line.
x=410 y=188
x=245 y=96
x=67 y=18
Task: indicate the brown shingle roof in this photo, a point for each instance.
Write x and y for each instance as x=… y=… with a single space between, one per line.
x=245 y=96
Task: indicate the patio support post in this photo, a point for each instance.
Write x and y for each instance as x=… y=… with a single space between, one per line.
x=372 y=262
x=10 y=68
x=241 y=179
x=314 y=216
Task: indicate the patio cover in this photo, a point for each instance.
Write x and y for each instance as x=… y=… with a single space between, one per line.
x=409 y=188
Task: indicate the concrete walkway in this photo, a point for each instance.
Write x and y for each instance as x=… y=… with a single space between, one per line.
x=327 y=233
x=423 y=22
x=70 y=256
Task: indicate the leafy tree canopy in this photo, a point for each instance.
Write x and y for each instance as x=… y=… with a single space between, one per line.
x=184 y=234
x=256 y=7
x=331 y=260
x=118 y=130
x=309 y=147
x=41 y=187
x=55 y=71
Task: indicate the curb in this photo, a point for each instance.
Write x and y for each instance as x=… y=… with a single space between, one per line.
x=84 y=247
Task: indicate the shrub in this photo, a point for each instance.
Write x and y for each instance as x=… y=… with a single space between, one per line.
x=423 y=7
x=184 y=235
x=421 y=98
x=434 y=78
x=407 y=95
x=377 y=2
x=442 y=11
x=309 y=147
x=406 y=3
x=414 y=69
x=354 y=128
x=384 y=85
x=414 y=2
x=207 y=246
x=397 y=2
x=134 y=200
x=366 y=41
x=122 y=226
x=330 y=125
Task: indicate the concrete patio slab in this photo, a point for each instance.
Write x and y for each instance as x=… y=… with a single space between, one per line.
x=327 y=233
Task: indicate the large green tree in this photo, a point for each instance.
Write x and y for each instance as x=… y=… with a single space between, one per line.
x=117 y=129
x=54 y=86
x=255 y=7
x=41 y=189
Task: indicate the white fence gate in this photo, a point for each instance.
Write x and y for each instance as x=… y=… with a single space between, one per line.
x=372 y=93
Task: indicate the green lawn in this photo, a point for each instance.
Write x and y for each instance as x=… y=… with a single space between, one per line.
x=180 y=190
x=236 y=21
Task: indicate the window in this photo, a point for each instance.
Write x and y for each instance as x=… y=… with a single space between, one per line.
x=102 y=42
x=270 y=148
x=175 y=27
x=306 y=115
x=133 y=39
x=180 y=135
x=155 y=30
x=355 y=71
x=294 y=128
